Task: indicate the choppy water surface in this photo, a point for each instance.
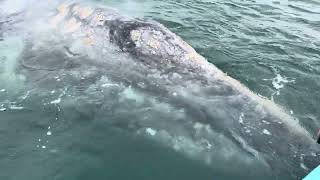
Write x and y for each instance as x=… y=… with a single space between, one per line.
x=273 y=47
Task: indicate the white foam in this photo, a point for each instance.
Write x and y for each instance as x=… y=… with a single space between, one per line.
x=303 y=166
x=151 y=131
x=108 y=85
x=3 y=90
x=265 y=131
x=241 y=118
x=207 y=144
x=57 y=101
x=198 y=126
x=184 y=144
x=49 y=133
x=279 y=81
x=13 y=107
x=25 y=96
x=10 y=48
x=244 y=145
x=43 y=147
x=129 y=93
x=3 y=109
x=265 y=122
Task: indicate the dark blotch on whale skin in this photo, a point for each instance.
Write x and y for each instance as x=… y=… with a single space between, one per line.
x=120 y=33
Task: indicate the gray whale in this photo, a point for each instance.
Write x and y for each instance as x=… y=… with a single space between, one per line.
x=206 y=114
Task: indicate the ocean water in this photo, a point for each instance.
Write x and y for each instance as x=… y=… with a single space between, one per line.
x=272 y=47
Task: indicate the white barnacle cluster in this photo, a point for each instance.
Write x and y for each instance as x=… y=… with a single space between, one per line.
x=63 y=10
x=71 y=19
x=194 y=56
x=68 y=25
x=78 y=12
x=147 y=41
x=82 y=12
x=88 y=34
x=98 y=19
x=154 y=42
x=72 y=25
x=162 y=43
x=150 y=39
x=136 y=37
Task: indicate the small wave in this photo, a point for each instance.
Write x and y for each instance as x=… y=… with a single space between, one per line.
x=302 y=9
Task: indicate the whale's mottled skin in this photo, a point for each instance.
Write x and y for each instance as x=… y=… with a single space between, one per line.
x=167 y=67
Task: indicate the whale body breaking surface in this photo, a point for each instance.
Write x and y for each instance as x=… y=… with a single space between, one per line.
x=166 y=90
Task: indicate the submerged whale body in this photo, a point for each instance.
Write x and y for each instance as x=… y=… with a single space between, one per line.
x=179 y=98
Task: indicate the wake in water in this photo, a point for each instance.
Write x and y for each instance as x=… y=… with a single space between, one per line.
x=138 y=76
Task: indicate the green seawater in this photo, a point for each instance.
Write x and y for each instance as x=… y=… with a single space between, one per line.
x=272 y=47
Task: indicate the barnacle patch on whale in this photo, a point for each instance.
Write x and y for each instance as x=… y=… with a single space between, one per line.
x=63 y=10
x=82 y=12
x=72 y=25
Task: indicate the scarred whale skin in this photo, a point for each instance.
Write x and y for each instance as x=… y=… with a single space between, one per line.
x=217 y=101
